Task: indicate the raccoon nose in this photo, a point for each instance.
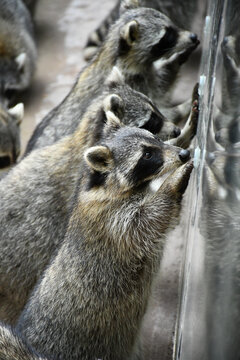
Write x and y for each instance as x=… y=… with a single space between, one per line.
x=176 y=132
x=193 y=37
x=184 y=155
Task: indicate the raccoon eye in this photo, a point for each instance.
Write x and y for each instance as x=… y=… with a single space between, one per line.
x=147 y=155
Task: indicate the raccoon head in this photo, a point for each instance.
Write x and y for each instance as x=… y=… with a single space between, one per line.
x=135 y=109
x=129 y=159
x=12 y=73
x=146 y=35
x=10 y=134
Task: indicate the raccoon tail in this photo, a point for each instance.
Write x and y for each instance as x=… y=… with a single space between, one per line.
x=13 y=347
x=97 y=37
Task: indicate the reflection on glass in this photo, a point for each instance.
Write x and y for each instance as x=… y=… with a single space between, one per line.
x=209 y=322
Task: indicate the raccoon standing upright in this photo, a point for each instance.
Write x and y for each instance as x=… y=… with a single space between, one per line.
x=36 y=194
x=91 y=300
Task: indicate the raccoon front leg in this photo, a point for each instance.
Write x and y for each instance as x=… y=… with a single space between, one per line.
x=167 y=72
x=167 y=199
x=190 y=128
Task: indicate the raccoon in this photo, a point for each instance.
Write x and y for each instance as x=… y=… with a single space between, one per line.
x=181 y=13
x=12 y=347
x=10 y=120
x=17 y=48
x=135 y=41
x=92 y=298
x=36 y=194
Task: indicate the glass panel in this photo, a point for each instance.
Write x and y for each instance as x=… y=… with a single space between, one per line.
x=209 y=319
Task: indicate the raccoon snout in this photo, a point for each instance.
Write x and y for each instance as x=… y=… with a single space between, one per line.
x=184 y=155
x=193 y=37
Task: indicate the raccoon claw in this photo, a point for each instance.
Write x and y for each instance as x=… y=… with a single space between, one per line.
x=195 y=95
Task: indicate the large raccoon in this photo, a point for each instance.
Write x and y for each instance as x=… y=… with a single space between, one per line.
x=92 y=298
x=181 y=13
x=135 y=41
x=36 y=194
x=17 y=47
x=10 y=120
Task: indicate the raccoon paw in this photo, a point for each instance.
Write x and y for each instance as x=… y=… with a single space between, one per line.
x=176 y=183
x=190 y=128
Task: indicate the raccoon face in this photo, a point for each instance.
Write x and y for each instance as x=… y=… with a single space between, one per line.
x=135 y=109
x=130 y=158
x=148 y=35
x=12 y=72
x=10 y=135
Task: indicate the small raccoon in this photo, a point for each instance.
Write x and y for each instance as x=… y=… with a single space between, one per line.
x=10 y=120
x=226 y=122
x=180 y=13
x=135 y=41
x=12 y=347
x=17 y=48
x=92 y=298
x=36 y=194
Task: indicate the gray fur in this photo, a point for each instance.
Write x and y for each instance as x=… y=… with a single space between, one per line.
x=92 y=298
x=12 y=346
x=36 y=197
x=16 y=38
x=135 y=59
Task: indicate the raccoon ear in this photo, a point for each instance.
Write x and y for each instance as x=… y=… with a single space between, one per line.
x=127 y=5
x=114 y=104
x=129 y=34
x=21 y=60
x=112 y=123
x=116 y=77
x=17 y=112
x=99 y=158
